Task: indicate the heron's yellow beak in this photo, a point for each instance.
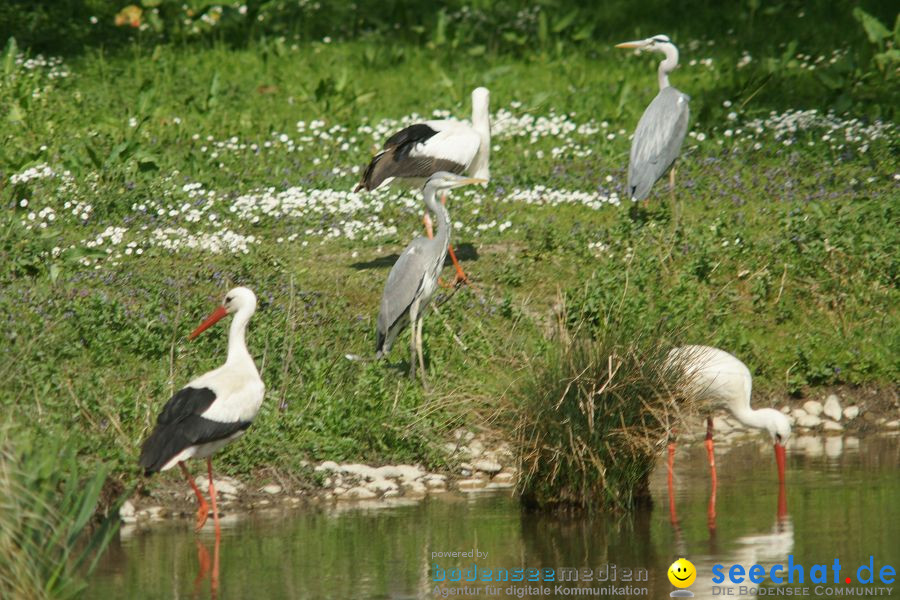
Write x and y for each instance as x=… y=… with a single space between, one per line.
x=472 y=180
x=639 y=44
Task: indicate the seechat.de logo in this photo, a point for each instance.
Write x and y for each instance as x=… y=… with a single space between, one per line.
x=795 y=573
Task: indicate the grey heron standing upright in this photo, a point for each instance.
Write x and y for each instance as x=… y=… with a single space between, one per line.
x=413 y=278
x=416 y=152
x=661 y=130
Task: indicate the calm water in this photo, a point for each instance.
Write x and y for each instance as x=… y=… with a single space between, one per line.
x=842 y=501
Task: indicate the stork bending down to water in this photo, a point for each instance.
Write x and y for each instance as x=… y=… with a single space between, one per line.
x=413 y=278
x=718 y=378
x=661 y=129
x=721 y=379
x=213 y=409
x=423 y=149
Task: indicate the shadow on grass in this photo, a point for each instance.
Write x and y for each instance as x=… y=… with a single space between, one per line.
x=464 y=253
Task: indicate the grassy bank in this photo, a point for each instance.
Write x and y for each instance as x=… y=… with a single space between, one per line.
x=594 y=414
x=48 y=540
x=140 y=183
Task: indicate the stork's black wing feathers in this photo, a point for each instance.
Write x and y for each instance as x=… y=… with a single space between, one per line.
x=186 y=402
x=180 y=426
x=405 y=139
x=394 y=159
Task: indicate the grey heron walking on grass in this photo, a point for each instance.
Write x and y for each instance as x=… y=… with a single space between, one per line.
x=413 y=278
x=415 y=153
x=661 y=130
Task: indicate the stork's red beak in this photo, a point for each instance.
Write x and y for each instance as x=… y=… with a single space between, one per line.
x=209 y=322
x=780 y=460
x=782 y=502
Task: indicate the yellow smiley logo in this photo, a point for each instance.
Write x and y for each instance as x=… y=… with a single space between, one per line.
x=682 y=573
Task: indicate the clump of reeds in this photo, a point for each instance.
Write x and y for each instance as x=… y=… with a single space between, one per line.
x=592 y=418
x=47 y=539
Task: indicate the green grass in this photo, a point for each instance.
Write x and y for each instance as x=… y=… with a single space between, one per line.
x=48 y=500
x=783 y=255
x=592 y=417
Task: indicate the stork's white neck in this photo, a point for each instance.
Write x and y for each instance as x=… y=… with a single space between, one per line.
x=668 y=65
x=237 y=339
x=756 y=418
x=481 y=123
x=749 y=417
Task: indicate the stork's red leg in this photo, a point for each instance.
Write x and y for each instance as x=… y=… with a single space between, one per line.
x=212 y=497
x=461 y=277
x=203 y=509
x=709 y=450
x=673 y=516
x=204 y=564
x=711 y=509
x=214 y=580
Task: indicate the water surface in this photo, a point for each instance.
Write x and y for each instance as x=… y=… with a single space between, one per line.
x=842 y=500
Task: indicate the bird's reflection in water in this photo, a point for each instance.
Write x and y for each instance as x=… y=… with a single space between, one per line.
x=766 y=549
x=207 y=568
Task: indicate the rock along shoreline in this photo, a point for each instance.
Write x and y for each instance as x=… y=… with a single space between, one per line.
x=482 y=465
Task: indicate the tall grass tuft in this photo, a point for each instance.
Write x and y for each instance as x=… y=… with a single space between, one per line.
x=592 y=418
x=47 y=501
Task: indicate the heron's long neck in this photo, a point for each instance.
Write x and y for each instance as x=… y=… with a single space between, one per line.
x=237 y=344
x=442 y=217
x=481 y=123
x=668 y=65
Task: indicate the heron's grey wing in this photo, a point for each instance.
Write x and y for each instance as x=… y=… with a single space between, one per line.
x=403 y=285
x=657 y=140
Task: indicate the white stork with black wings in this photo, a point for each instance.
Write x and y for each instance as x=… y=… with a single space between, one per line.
x=213 y=409
x=417 y=152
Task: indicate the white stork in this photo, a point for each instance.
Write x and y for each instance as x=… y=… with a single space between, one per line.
x=720 y=378
x=417 y=152
x=213 y=409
